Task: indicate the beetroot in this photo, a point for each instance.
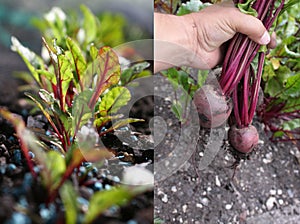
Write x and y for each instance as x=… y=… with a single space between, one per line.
x=212 y=106
x=243 y=139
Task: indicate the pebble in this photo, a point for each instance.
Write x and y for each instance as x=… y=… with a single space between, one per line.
x=20 y=218
x=280 y=201
x=272 y=192
x=165 y=198
x=11 y=167
x=199 y=205
x=205 y=201
x=98 y=186
x=218 y=183
x=184 y=208
x=279 y=192
x=31 y=155
x=131 y=222
x=174 y=189
x=270 y=202
x=290 y=193
x=228 y=206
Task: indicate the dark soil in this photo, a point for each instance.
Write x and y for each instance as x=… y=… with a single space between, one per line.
x=264 y=187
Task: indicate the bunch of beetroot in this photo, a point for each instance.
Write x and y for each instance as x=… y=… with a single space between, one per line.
x=239 y=81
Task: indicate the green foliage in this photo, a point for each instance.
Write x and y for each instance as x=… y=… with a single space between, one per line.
x=191 y=6
x=282 y=77
x=106 y=29
x=184 y=86
x=103 y=200
x=247 y=8
x=114 y=100
x=68 y=196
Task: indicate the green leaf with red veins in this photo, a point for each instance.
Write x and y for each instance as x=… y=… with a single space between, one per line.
x=78 y=58
x=113 y=100
x=108 y=69
x=66 y=75
x=81 y=112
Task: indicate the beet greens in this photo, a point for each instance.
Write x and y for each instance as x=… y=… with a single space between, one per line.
x=239 y=78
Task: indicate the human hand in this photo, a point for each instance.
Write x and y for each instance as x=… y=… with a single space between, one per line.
x=198 y=38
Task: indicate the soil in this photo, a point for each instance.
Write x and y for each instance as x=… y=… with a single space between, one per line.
x=264 y=187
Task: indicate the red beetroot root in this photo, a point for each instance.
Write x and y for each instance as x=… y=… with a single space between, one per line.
x=243 y=139
x=212 y=106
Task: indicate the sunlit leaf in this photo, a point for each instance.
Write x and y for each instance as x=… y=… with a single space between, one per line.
x=291 y=125
x=69 y=196
x=275 y=63
x=247 y=8
x=66 y=74
x=93 y=52
x=103 y=200
x=101 y=121
x=108 y=72
x=81 y=112
x=123 y=122
x=78 y=58
x=113 y=100
x=56 y=164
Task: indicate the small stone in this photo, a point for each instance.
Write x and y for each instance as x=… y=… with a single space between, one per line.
x=280 y=201
x=272 y=192
x=279 y=192
x=205 y=201
x=199 y=205
x=174 y=189
x=184 y=208
x=218 y=183
x=228 y=206
x=270 y=202
x=165 y=198
x=209 y=189
x=290 y=193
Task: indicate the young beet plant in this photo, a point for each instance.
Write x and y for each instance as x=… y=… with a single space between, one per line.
x=74 y=93
x=80 y=91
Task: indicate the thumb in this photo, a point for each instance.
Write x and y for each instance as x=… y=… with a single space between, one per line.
x=250 y=26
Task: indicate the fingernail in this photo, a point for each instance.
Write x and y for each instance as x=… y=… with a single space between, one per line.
x=265 y=39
